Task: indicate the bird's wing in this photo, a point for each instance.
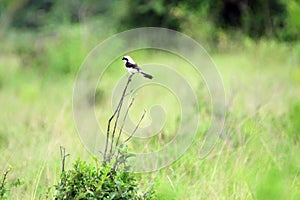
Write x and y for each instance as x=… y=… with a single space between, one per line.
x=130 y=65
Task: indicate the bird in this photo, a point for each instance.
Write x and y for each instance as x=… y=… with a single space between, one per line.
x=133 y=68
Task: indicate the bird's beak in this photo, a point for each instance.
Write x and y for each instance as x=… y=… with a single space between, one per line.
x=123 y=58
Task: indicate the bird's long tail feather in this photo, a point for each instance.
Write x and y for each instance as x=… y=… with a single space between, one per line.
x=146 y=75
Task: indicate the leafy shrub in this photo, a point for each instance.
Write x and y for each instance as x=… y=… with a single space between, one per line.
x=86 y=181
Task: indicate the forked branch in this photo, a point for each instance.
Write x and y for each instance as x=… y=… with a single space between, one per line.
x=63 y=156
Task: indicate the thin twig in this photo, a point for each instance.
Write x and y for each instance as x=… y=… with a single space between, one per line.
x=4 y=178
x=63 y=157
x=107 y=133
x=123 y=123
x=117 y=117
x=137 y=126
x=117 y=112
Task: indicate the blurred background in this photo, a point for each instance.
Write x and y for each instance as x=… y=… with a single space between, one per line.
x=34 y=28
x=254 y=43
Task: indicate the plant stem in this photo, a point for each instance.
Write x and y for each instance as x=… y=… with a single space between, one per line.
x=115 y=114
x=123 y=123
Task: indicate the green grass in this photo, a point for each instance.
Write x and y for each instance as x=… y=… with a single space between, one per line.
x=256 y=156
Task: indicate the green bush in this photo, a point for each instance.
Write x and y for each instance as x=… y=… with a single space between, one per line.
x=86 y=181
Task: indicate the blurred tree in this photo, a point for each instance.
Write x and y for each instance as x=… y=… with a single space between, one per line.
x=32 y=13
x=151 y=13
x=292 y=31
x=255 y=18
x=7 y=11
x=37 y=13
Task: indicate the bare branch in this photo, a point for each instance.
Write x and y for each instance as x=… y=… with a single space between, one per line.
x=117 y=112
x=123 y=123
x=4 y=177
x=133 y=132
x=63 y=157
x=107 y=133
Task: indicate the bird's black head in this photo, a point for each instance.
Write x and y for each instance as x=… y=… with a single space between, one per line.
x=128 y=59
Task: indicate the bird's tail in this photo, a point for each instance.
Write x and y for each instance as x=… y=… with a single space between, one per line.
x=146 y=75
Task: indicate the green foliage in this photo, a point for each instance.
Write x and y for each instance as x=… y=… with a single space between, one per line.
x=55 y=53
x=5 y=186
x=122 y=157
x=68 y=58
x=254 y=18
x=292 y=21
x=272 y=186
x=152 y=13
x=36 y=13
x=294 y=119
x=166 y=192
x=86 y=181
x=257 y=18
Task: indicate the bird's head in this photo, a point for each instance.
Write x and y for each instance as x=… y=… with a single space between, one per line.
x=128 y=59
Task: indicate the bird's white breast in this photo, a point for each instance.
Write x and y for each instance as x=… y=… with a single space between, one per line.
x=132 y=70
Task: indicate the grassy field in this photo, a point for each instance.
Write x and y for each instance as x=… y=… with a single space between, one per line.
x=256 y=157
